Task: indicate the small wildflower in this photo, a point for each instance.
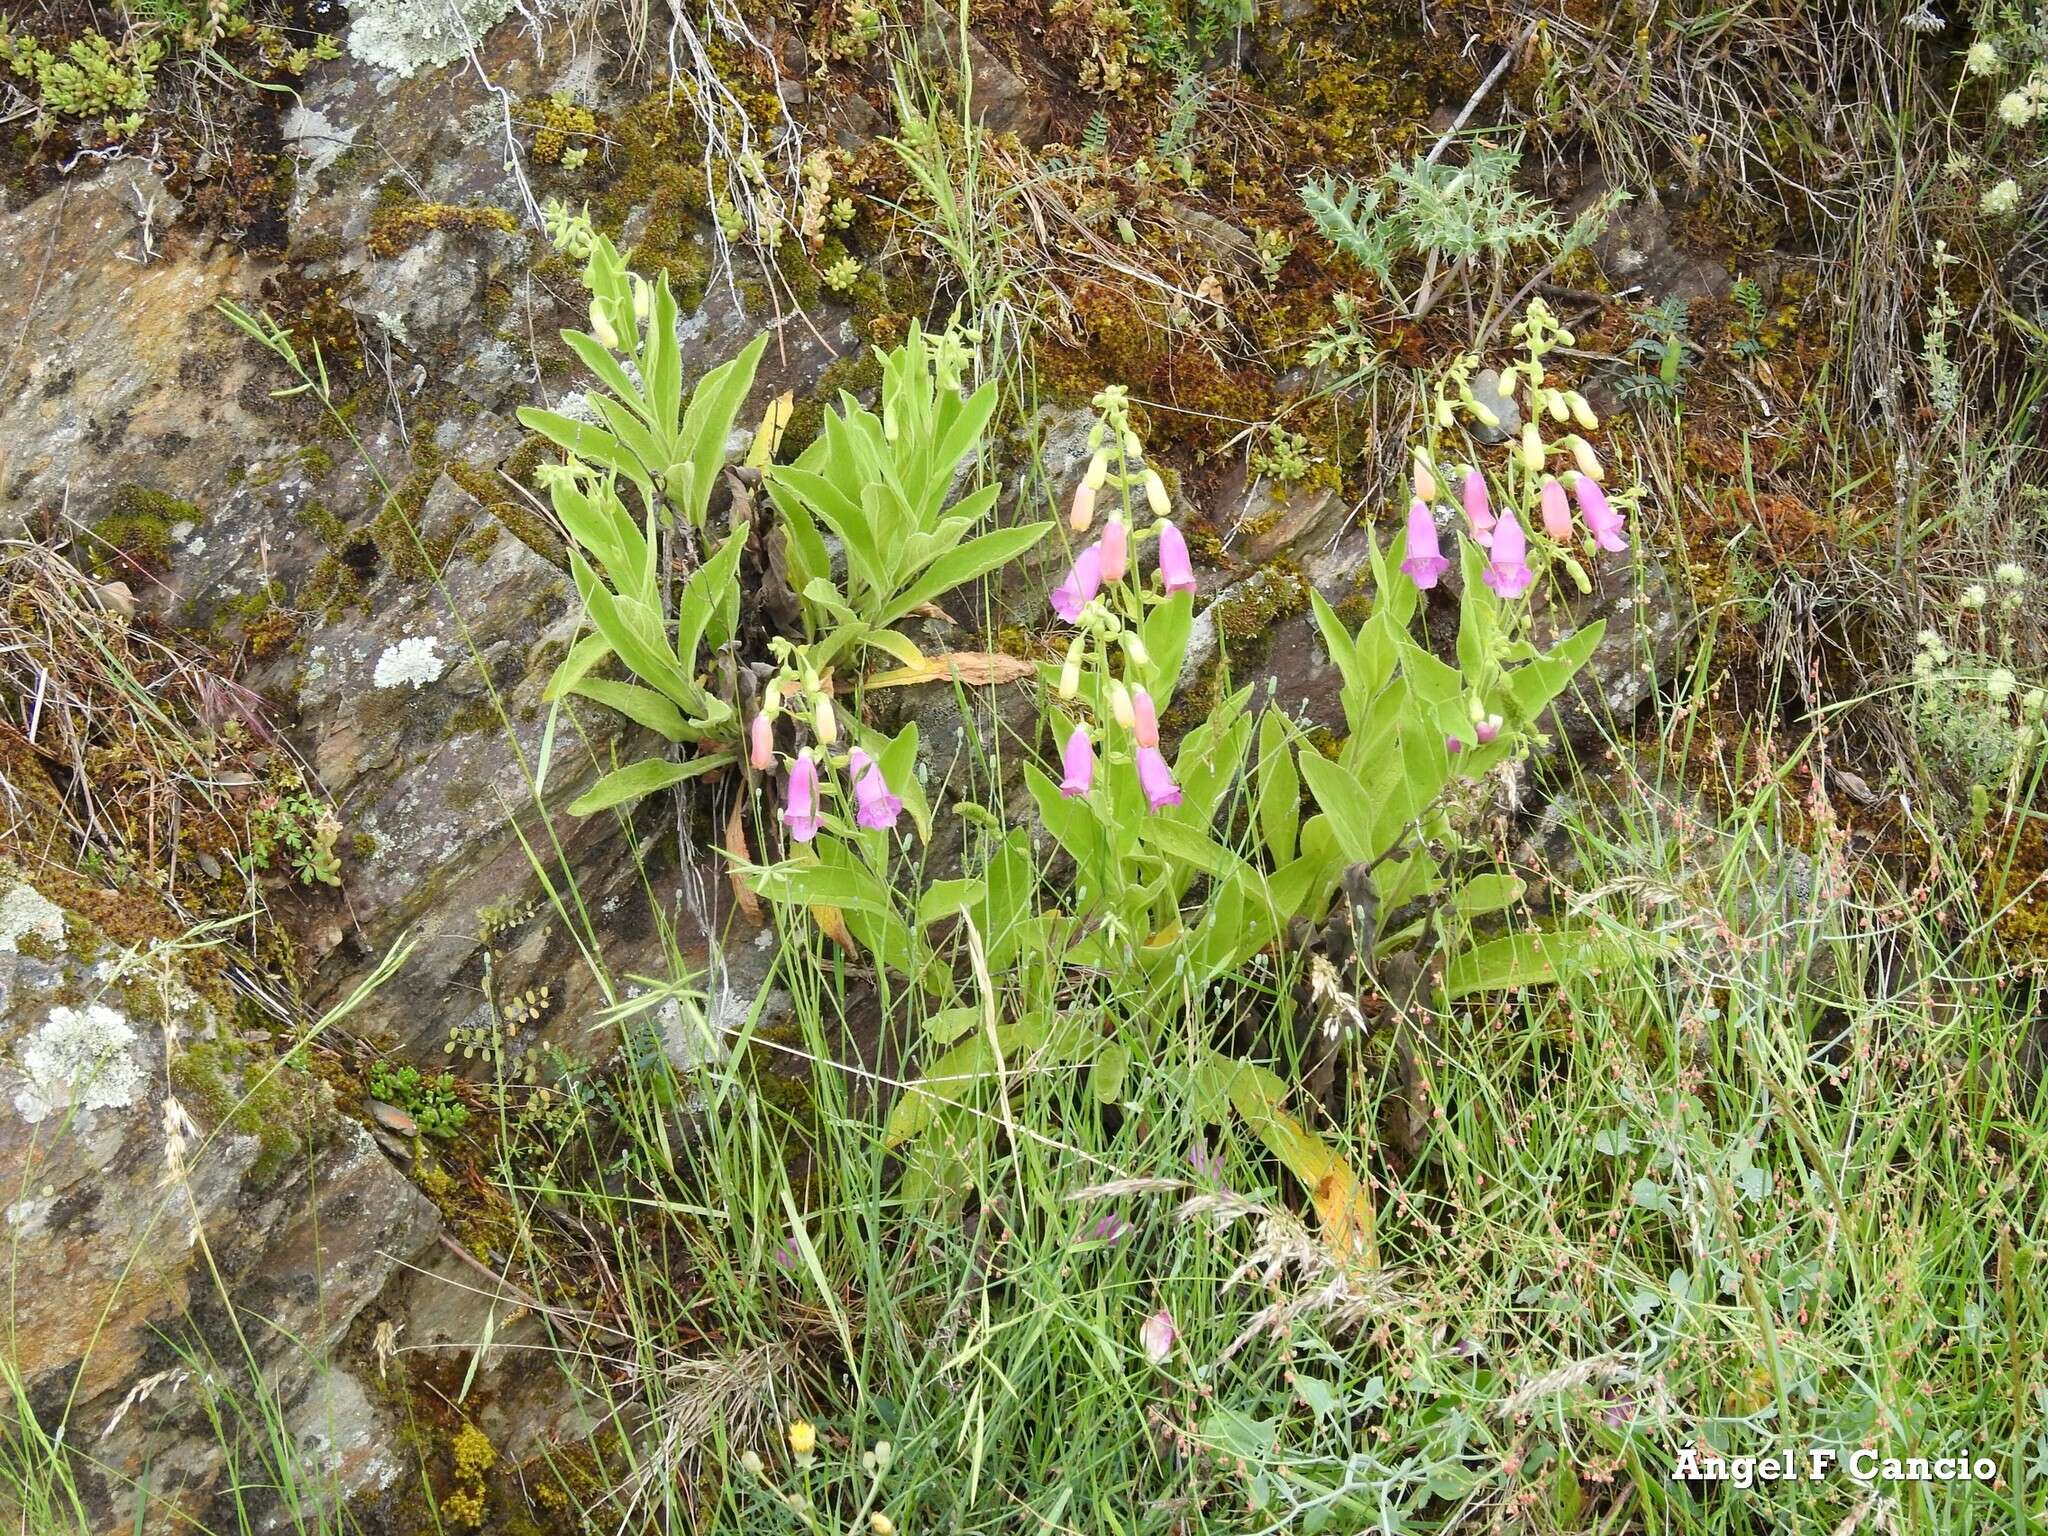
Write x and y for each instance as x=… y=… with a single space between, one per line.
x=1083 y=581
x=2001 y=684
x=881 y=1525
x=1923 y=666
x=1157 y=1334
x=1983 y=58
x=1602 y=521
x=1477 y=510
x=1206 y=1164
x=1111 y=1228
x=1077 y=762
x=1144 y=719
x=877 y=807
x=751 y=1461
x=601 y=326
x=2035 y=704
x=1175 y=569
x=825 y=720
x=1557 y=511
x=2011 y=573
x=2016 y=109
x=1488 y=730
x=803 y=1441
x=1156 y=779
x=786 y=1256
x=1508 y=572
x=2000 y=200
x=761 y=743
x=1975 y=595
x=1425 y=560
x=1452 y=745
x=1116 y=548
x=800 y=810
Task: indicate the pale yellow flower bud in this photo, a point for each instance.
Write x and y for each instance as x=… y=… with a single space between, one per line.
x=1554 y=402
x=1582 y=413
x=1120 y=705
x=1532 y=448
x=1082 y=513
x=825 y=725
x=1098 y=471
x=1587 y=460
x=1070 y=669
x=881 y=1524
x=1425 y=479
x=1155 y=495
x=601 y=326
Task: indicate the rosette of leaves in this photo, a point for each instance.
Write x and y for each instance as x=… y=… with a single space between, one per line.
x=668 y=451
x=881 y=486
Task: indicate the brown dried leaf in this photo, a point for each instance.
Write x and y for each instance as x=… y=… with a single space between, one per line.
x=974 y=668
x=736 y=845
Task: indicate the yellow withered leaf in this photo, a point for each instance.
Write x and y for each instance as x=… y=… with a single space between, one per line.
x=768 y=436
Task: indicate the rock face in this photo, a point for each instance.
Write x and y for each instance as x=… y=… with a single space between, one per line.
x=185 y=1222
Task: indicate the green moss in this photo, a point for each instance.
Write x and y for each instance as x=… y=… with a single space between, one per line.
x=398 y=227
x=1251 y=609
x=226 y=1083
x=856 y=374
x=327 y=527
x=135 y=531
x=479 y=714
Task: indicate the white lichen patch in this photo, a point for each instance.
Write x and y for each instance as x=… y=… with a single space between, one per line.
x=26 y=912
x=82 y=1058
x=407 y=35
x=413 y=660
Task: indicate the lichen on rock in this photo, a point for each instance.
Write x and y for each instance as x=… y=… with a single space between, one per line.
x=82 y=1059
x=407 y=35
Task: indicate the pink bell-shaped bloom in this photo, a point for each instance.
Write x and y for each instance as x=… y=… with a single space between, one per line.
x=1175 y=568
x=1425 y=561
x=800 y=809
x=875 y=807
x=1078 y=762
x=1478 y=510
x=761 y=742
x=1452 y=745
x=1116 y=548
x=1157 y=1335
x=1081 y=585
x=1602 y=521
x=1144 y=718
x=1508 y=572
x=1156 y=779
x=1557 y=512
x=1488 y=730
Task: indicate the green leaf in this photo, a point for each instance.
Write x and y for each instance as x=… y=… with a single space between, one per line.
x=699 y=605
x=1279 y=802
x=1106 y=1079
x=643 y=706
x=644 y=778
x=599 y=360
x=707 y=424
x=972 y=560
x=1487 y=893
x=1350 y=813
x=583 y=655
x=1529 y=959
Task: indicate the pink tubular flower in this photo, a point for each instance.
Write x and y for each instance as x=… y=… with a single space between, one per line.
x=1156 y=779
x=1557 y=512
x=1144 y=719
x=1157 y=1335
x=761 y=743
x=1081 y=585
x=876 y=808
x=1174 y=566
x=800 y=810
x=1478 y=511
x=1488 y=730
x=1602 y=521
x=1078 y=761
x=1452 y=745
x=1116 y=548
x=1508 y=573
x=1425 y=560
